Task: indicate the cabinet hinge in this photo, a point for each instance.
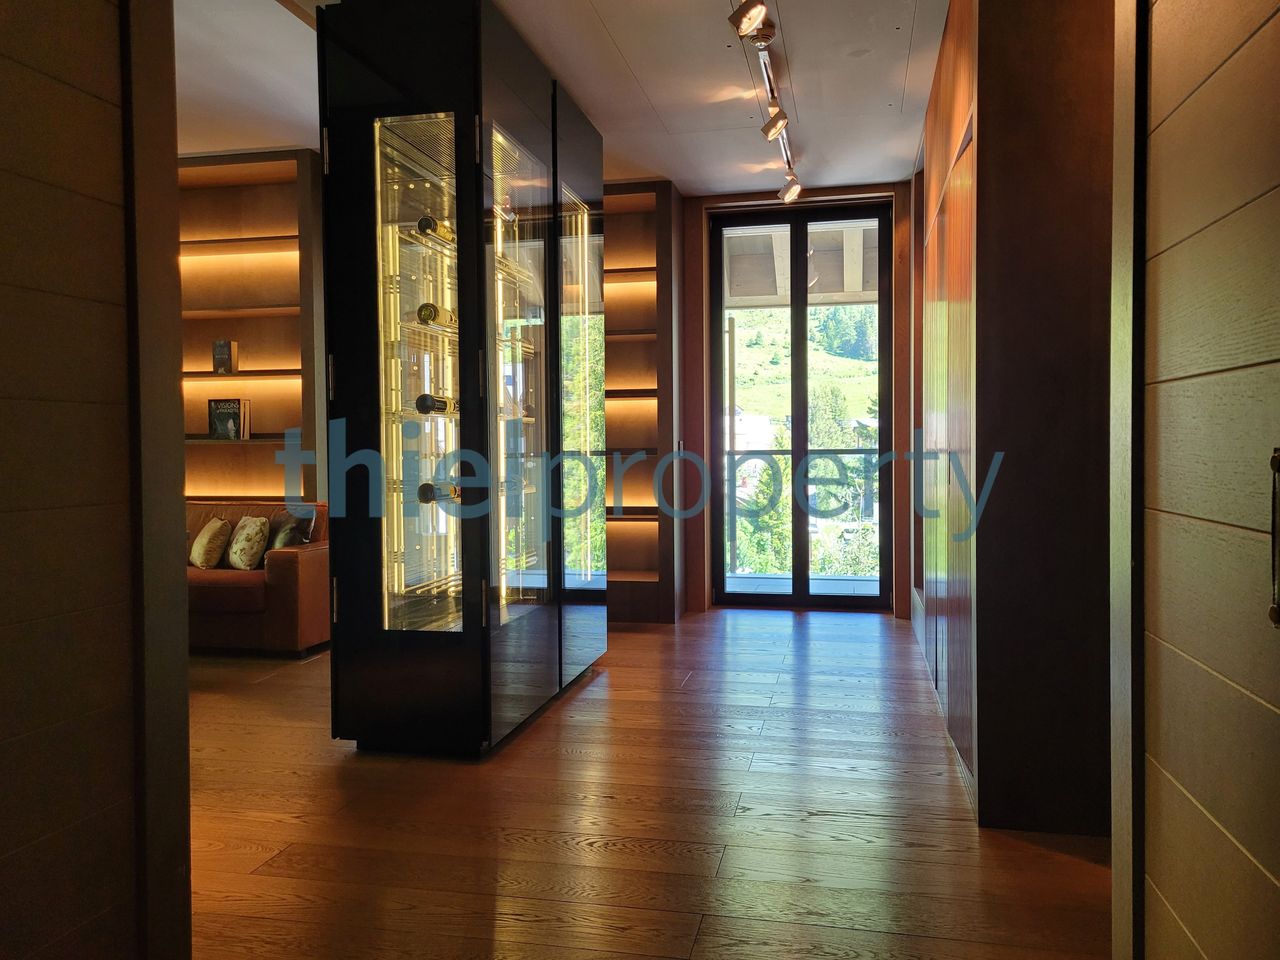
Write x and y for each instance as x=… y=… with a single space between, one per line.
x=324 y=147
x=333 y=599
x=329 y=376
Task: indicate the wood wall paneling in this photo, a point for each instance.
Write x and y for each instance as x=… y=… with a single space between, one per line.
x=1209 y=446
x=1214 y=300
x=1212 y=418
x=1195 y=179
x=1207 y=587
x=67 y=631
x=996 y=193
x=1229 y=906
x=1219 y=743
x=1191 y=39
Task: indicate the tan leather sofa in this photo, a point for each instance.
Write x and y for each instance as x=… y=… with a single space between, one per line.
x=281 y=607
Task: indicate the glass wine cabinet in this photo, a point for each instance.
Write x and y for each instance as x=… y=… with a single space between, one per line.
x=448 y=236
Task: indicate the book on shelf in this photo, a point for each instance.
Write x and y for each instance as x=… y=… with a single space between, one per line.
x=226 y=356
x=229 y=420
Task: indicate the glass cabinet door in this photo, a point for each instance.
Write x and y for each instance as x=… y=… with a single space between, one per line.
x=520 y=548
x=582 y=359
x=418 y=333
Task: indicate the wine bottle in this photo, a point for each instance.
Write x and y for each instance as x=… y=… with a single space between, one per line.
x=429 y=403
x=431 y=314
x=432 y=226
x=433 y=492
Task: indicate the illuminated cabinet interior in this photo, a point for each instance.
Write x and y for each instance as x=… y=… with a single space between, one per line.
x=459 y=262
x=249 y=257
x=641 y=257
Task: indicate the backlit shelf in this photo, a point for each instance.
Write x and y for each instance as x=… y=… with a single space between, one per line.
x=645 y=393
x=632 y=576
x=244 y=313
x=283 y=374
x=272 y=438
x=233 y=246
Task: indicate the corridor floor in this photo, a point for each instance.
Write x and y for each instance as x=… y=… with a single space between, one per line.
x=746 y=785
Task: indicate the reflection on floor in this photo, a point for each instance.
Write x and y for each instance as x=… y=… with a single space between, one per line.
x=749 y=785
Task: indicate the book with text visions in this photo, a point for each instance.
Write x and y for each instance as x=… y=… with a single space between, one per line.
x=229 y=420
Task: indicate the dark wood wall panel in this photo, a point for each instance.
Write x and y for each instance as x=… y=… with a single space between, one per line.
x=1017 y=143
x=67 y=707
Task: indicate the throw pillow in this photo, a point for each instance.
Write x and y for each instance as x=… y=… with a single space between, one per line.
x=292 y=532
x=210 y=543
x=248 y=543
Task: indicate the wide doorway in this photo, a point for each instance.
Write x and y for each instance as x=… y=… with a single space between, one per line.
x=801 y=338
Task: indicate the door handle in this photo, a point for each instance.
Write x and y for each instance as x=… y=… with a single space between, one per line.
x=1274 y=612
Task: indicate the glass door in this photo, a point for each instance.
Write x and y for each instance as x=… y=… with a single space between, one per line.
x=802 y=370
x=418 y=375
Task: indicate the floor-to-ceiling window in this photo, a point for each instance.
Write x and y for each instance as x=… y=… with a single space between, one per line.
x=802 y=367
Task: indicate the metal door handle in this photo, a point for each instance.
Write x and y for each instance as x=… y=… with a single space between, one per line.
x=1274 y=612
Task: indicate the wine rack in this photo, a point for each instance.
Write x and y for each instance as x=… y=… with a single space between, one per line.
x=441 y=224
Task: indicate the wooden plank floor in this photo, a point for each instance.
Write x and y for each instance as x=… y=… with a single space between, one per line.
x=747 y=785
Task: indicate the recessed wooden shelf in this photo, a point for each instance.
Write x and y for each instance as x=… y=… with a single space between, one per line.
x=641 y=514
x=630 y=394
x=231 y=246
x=633 y=576
x=243 y=313
x=249 y=256
x=637 y=335
x=273 y=438
x=631 y=275
x=288 y=374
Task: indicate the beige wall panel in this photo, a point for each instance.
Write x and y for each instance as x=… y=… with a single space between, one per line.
x=1191 y=39
x=62 y=667
x=85 y=337
x=1166 y=939
x=54 y=562
x=1214 y=301
x=1218 y=742
x=1207 y=591
x=1209 y=444
x=78 y=456
x=71 y=244
x=72 y=770
x=1220 y=149
x=1228 y=904
x=86 y=57
x=55 y=152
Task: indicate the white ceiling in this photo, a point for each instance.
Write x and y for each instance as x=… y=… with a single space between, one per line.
x=673 y=90
x=246 y=77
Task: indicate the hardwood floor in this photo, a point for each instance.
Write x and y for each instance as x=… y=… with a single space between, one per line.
x=747 y=785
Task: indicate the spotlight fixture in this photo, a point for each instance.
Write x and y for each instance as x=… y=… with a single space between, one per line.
x=749 y=15
x=791 y=189
x=776 y=123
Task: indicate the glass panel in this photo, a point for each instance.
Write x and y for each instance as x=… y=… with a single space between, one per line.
x=757 y=393
x=582 y=402
x=418 y=329
x=518 y=432
x=844 y=524
x=843 y=333
x=757 y=550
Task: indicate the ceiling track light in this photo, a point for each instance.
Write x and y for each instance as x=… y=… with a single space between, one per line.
x=791 y=188
x=749 y=15
x=776 y=123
